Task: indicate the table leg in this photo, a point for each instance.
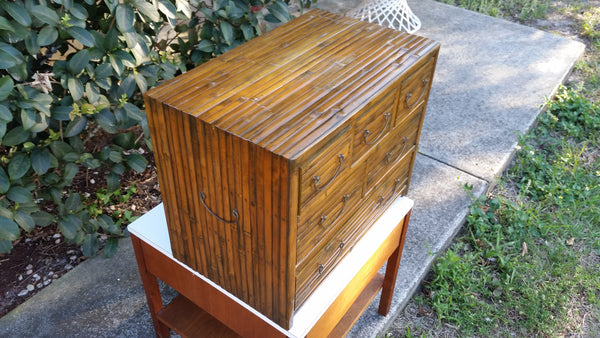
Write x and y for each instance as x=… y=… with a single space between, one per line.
x=151 y=288
x=391 y=272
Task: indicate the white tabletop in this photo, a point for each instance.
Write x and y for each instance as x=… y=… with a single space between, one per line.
x=152 y=229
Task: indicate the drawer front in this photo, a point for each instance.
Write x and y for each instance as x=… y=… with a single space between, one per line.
x=374 y=122
x=325 y=217
x=394 y=148
x=393 y=185
x=414 y=90
x=325 y=168
x=311 y=274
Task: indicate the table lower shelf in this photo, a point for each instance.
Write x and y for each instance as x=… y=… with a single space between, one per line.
x=189 y=320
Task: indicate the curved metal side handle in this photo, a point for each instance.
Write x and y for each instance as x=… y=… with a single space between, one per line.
x=386 y=116
x=409 y=95
x=234 y=212
x=388 y=156
x=324 y=217
x=385 y=200
x=321 y=267
x=316 y=179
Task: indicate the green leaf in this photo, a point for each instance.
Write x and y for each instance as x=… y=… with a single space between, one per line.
x=78 y=11
x=75 y=87
x=116 y=63
x=125 y=140
x=45 y=15
x=5 y=246
x=40 y=160
x=9 y=230
x=79 y=61
x=4 y=181
x=133 y=112
x=19 y=195
x=279 y=10
x=15 y=136
x=110 y=247
x=62 y=113
x=5 y=25
x=24 y=220
x=71 y=170
x=31 y=43
x=69 y=226
x=90 y=245
x=147 y=9
x=27 y=118
x=169 y=10
x=248 y=31
x=125 y=17
x=75 y=127
x=112 y=182
x=2 y=128
x=47 y=36
x=6 y=87
x=73 y=203
x=81 y=35
x=18 y=166
x=107 y=121
x=60 y=149
x=5 y=114
x=206 y=46
x=137 y=162
x=227 y=31
x=17 y=12
x=42 y=218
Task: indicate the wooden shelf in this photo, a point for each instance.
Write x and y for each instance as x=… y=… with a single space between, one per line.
x=189 y=320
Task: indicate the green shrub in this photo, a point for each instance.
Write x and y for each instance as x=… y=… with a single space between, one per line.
x=72 y=75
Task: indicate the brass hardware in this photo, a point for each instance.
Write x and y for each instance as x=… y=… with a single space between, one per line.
x=409 y=95
x=324 y=217
x=386 y=116
x=234 y=212
x=316 y=179
x=388 y=156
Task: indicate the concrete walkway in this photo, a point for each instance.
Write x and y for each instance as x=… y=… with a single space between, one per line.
x=492 y=76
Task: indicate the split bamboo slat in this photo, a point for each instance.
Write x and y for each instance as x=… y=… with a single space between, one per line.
x=275 y=157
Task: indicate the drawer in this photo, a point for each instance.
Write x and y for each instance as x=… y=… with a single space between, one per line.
x=394 y=148
x=414 y=90
x=325 y=167
x=373 y=123
x=324 y=217
x=310 y=275
x=391 y=186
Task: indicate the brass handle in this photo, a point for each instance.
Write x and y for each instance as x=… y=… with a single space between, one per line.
x=386 y=116
x=234 y=212
x=324 y=217
x=383 y=200
x=388 y=156
x=321 y=267
x=409 y=95
x=316 y=179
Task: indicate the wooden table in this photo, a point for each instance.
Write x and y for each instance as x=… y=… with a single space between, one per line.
x=205 y=309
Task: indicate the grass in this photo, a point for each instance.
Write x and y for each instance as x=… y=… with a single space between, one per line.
x=531 y=253
x=528 y=262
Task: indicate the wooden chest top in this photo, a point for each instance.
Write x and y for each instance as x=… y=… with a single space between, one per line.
x=286 y=89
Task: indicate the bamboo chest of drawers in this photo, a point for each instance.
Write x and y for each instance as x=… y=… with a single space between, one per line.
x=275 y=157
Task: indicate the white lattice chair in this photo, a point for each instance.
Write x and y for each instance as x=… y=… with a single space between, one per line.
x=390 y=13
